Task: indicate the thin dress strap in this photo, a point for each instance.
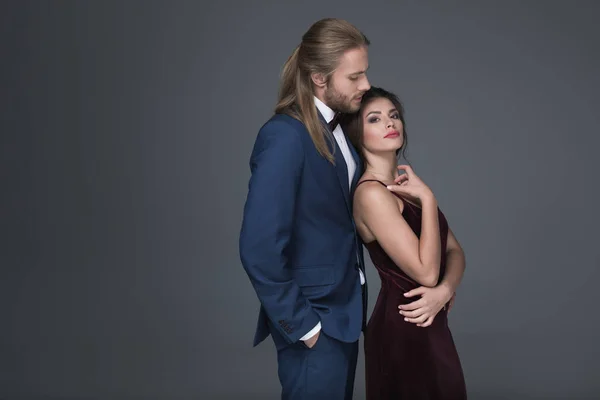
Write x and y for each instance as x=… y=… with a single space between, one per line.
x=370 y=180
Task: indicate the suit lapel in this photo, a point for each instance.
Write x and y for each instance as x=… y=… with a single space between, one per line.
x=357 y=172
x=342 y=173
x=340 y=164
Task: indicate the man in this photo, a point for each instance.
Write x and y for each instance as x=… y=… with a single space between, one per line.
x=298 y=242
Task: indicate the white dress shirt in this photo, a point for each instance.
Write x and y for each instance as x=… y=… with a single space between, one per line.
x=340 y=138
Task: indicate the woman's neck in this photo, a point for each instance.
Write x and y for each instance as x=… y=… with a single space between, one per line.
x=382 y=167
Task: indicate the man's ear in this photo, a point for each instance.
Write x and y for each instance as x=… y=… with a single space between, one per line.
x=318 y=79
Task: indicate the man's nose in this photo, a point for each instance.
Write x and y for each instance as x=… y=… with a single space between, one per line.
x=365 y=85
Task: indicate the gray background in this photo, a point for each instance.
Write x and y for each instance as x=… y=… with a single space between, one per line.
x=126 y=132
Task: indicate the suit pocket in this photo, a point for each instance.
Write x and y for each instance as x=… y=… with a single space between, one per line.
x=317 y=275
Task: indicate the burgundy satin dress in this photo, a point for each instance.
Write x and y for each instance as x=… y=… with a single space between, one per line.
x=404 y=361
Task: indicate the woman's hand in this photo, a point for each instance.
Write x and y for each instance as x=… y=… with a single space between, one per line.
x=410 y=185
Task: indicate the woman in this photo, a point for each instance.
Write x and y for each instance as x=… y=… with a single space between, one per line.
x=409 y=350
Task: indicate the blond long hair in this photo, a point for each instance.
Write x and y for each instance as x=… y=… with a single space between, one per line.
x=319 y=52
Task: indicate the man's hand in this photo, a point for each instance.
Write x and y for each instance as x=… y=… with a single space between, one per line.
x=313 y=340
x=451 y=303
x=423 y=311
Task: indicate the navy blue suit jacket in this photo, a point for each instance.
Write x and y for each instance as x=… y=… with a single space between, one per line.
x=298 y=242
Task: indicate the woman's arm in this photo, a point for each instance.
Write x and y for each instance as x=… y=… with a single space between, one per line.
x=419 y=258
x=431 y=300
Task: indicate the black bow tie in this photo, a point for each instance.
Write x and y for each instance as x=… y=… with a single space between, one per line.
x=335 y=121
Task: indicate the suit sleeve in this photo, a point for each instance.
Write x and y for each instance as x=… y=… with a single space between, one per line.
x=276 y=167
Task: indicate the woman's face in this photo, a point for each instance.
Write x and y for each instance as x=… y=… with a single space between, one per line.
x=382 y=127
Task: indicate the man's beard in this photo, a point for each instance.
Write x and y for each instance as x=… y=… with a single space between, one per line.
x=338 y=102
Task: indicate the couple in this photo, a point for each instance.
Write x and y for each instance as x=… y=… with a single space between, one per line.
x=324 y=182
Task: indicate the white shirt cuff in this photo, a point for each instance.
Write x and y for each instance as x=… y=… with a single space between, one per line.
x=312 y=332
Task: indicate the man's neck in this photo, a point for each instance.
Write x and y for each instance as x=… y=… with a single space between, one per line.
x=325 y=110
x=320 y=95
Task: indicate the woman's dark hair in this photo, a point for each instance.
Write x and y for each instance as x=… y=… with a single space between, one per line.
x=352 y=124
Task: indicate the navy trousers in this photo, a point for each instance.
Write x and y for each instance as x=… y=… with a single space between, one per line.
x=325 y=371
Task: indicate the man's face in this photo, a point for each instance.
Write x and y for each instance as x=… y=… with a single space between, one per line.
x=348 y=82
